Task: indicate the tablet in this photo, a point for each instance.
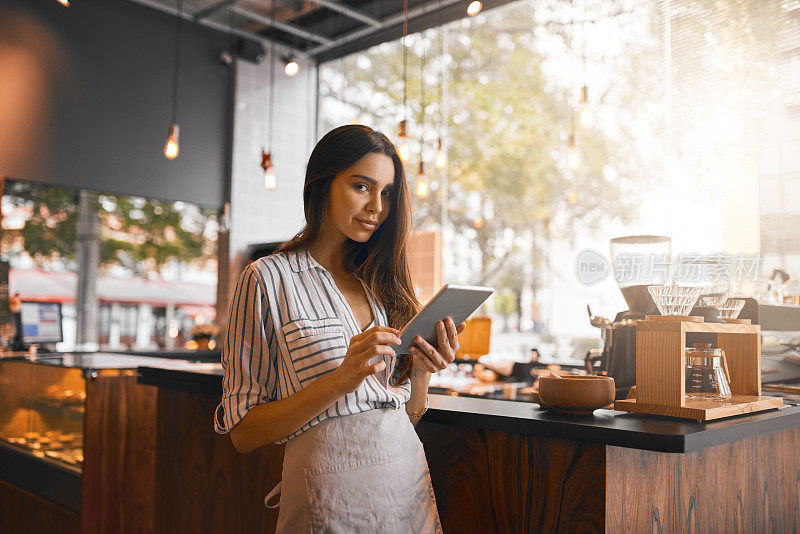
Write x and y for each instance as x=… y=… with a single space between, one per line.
x=453 y=301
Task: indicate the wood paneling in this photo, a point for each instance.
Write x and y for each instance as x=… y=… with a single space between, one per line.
x=660 y=366
x=752 y=485
x=119 y=473
x=487 y=481
x=203 y=483
x=25 y=513
x=743 y=352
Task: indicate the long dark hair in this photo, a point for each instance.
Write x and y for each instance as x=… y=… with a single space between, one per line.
x=382 y=261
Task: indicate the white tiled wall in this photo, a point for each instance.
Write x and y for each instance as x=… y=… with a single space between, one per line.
x=258 y=215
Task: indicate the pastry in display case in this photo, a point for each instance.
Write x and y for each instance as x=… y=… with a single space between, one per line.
x=41 y=411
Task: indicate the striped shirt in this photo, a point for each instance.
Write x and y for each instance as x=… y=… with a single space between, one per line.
x=289 y=324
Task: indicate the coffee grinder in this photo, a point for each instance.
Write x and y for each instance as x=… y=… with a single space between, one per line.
x=637 y=261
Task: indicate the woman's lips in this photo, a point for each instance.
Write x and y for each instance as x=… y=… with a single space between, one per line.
x=367 y=225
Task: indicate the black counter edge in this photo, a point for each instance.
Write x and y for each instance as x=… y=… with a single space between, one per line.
x=744 y=429
x=58 y=485
x=555 y=429
x=180 y=380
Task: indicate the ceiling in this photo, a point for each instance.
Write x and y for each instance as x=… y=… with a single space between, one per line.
x=319 y=29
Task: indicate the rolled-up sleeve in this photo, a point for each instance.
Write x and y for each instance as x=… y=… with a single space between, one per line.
x=249 y=353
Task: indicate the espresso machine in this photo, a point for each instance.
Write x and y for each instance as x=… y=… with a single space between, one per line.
x=637 y=261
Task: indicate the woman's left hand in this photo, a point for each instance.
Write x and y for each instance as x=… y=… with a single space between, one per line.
x=429 y=359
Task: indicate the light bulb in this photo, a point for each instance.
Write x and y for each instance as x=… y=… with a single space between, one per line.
x=422 y=181
x=478 y=222
x=573 y=155
x=404 y=149
x=573 y=158
x=64 y=3
x=474 y=8
x=291 y=67
x=171 y=148
x=585 y=117
x=402 y=145
x=441 y=157
x=422 y=187
x=270 y=182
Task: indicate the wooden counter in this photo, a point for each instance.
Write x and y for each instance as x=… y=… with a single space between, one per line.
x=154 y=464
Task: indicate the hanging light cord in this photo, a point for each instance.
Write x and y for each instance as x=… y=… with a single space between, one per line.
x=405 y=56
x=271 y=127
x=176 y=62
x=583 y=52
x=422 y=99
x=441 y=77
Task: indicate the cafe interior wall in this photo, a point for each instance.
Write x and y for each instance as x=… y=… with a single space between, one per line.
x=258 y=215
x=86 y=95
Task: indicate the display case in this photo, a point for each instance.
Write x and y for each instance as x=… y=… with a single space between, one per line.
x=41 y=411
x=43 y=402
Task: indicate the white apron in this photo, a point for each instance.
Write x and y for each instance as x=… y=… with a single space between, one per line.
x=357 y=473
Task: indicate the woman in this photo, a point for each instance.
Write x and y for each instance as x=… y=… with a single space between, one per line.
x=308 y=358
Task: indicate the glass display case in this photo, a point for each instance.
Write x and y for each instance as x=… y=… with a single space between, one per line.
x=41 y=411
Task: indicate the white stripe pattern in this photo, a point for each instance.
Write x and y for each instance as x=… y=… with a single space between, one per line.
x=289 y=324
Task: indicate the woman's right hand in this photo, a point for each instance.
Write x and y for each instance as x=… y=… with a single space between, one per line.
x=363 y=347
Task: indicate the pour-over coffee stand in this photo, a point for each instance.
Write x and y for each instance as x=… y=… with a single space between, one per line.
x=661 y=369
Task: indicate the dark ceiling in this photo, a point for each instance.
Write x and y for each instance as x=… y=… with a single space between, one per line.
x=321 y=29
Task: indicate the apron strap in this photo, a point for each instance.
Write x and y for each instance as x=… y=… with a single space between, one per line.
x=275 y=491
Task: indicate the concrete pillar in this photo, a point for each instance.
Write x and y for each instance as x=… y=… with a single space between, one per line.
x=88 y=256
x=144 y=327
x=114 y=326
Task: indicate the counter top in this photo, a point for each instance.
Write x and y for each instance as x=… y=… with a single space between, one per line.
x=89 y=361
x=607 y=427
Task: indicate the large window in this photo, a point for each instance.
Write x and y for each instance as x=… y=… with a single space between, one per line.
x=568 y=123
x=150 y=267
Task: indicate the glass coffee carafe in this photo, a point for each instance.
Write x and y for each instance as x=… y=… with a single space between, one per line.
x=707 y=373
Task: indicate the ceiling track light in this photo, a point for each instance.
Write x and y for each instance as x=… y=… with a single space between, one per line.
x=64 y=3
x=290 y=66
x=474 y=8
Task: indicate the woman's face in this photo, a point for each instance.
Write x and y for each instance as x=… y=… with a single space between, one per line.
x=360 y=198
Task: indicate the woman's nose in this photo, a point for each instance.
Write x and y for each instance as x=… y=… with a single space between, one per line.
x=374 y=204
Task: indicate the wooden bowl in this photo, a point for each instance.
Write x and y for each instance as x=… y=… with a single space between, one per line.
x=576 y=394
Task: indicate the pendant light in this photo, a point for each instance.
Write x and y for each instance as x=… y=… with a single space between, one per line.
x=402 y=130
x=171 y=148
x=474 y=8
x=269 y=174
x=270 y=181
x=573 y=154
x=422 y=179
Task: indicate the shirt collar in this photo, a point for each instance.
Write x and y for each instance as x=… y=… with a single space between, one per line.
x=301 y=260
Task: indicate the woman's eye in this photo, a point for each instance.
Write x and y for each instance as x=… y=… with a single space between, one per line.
x=361 y=187
x=387 y=192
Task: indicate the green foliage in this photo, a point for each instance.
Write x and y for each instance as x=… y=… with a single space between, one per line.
x=141 y=235
x=50 y=231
